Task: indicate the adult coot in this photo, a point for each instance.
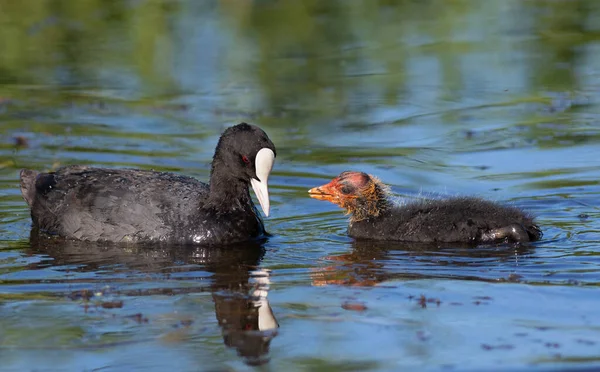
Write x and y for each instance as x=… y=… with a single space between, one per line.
x=127 y=205
x=455 y=219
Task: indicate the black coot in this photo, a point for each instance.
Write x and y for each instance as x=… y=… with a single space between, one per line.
x=127 y=205
x=455 y=219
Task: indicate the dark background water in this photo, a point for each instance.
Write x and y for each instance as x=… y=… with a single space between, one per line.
x=499 y=99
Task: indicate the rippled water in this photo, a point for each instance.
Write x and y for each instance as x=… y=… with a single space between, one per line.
x=499 y=99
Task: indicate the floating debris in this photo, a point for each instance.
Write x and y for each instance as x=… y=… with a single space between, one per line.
x=21 y=141
x=423 y=301
x=112 y=304
x=138 y=318
x=497 y=347
x=354 y=306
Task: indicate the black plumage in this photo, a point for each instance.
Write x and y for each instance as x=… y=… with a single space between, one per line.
x=455 y=219
x=127 y=205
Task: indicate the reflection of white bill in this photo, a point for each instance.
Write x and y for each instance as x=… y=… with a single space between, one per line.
x=266 y=318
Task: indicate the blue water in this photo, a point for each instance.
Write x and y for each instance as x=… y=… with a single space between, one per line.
x=498 y=99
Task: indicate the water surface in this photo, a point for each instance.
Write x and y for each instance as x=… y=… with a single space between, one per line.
x=499 y=99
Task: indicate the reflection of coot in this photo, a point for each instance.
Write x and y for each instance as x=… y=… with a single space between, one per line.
x=457 y=219
x=371 y=262
x=248 y=323
x=239 y=287
x=127 y=205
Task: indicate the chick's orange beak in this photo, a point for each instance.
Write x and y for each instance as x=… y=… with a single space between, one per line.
x=325 y=192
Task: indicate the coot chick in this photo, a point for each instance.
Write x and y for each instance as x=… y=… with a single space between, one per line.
x=455 y=219
x=127 y=205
